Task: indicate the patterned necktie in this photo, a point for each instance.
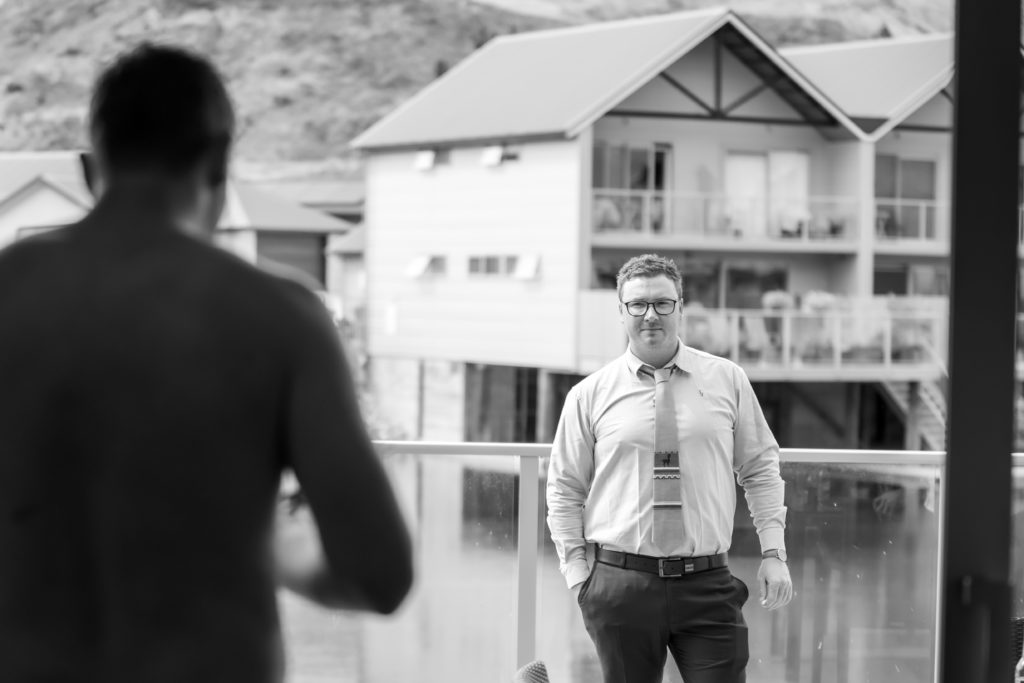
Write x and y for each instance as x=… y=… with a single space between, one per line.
x=667 y=500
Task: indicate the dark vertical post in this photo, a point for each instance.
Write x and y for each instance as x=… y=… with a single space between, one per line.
x=976 y=557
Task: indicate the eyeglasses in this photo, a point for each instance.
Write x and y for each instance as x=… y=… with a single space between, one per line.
x=638 y=309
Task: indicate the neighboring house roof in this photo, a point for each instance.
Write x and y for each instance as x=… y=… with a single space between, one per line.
x=556 y=83
x=318 y=193
x=250 y=208
x=875 y=81
x=353 y=242
x=64 y=188
x=62 y=169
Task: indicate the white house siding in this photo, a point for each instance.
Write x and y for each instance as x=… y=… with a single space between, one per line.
x=523 y=208
x=38 y=206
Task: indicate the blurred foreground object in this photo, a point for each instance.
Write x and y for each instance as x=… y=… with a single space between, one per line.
x=154 y=389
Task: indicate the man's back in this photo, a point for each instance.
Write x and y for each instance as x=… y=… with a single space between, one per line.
x=145 y=415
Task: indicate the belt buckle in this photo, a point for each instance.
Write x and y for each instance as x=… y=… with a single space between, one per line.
x=687 y=567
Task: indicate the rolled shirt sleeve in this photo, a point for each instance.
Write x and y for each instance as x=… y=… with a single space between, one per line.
x=756 y=462
x=570 y=473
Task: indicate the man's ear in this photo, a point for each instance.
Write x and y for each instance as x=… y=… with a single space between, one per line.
x=217 y=164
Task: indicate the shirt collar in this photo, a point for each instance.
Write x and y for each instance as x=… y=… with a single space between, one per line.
x=682 y=360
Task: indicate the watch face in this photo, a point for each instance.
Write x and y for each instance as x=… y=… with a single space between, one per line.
x=783 y=556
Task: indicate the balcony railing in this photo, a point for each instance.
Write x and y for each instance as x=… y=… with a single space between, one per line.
x=909 y=219
x=862 y=532
x=766 y=341
x=662 y=213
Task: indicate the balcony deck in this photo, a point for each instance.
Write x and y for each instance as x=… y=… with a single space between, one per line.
x=863 y=539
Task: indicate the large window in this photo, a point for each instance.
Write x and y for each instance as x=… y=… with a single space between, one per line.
x=630 y=182
x=904 y=197
x=768 y=193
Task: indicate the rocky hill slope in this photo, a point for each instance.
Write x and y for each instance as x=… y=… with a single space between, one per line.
x=308 y=75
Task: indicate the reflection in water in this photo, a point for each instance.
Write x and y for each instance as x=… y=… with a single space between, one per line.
x=864 y=573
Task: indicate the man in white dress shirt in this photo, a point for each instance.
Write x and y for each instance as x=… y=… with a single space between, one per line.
x=642 y=468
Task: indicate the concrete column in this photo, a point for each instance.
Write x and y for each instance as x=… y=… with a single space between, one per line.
x=864 y=275
x=546 y=410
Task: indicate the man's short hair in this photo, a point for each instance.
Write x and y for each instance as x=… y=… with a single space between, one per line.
x=649 y=265
x=162 y=108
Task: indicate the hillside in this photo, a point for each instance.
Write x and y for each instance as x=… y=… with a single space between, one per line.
x=308 y=75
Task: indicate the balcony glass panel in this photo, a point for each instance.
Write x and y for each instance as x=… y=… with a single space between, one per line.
x=863 y=541
x=658 y=212
x=459 y=623
x=906 y=219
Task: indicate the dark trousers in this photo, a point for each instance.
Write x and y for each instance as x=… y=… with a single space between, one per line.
x=636 y=618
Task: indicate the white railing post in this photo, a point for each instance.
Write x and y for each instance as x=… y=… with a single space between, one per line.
x=837 y=338
x=734 y=335
x=887 y=340
x=787 y=337
x=527 y=560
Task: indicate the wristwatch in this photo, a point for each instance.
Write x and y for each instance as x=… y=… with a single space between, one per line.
x=779 y=553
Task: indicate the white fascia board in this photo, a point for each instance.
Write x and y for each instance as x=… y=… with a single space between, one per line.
x=914 y=102
x=644 y=75
x=801 y=80
x=678 y=51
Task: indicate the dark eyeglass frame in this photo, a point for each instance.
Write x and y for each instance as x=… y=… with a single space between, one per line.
x=648 y=305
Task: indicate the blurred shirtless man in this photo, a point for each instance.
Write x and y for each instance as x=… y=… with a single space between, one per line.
x=152 y=388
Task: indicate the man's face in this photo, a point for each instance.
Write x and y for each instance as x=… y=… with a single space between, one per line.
x=651 y=332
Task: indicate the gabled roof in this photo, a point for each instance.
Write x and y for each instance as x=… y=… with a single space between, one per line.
x=555 y=83
x=353 y=242
x=63 y=188
x=876 y=81
x=248 y=207
x=62 y=170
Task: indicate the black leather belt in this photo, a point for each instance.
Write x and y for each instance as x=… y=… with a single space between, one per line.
x=665 y=567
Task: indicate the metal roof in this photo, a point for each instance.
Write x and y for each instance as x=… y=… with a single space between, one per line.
x=555 y=83
x=318 y=193
x=248 y=207
x=62 y=169
x=874 y=80
x=354 y=242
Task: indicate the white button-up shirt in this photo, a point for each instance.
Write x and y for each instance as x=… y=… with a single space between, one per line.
x=600 y=486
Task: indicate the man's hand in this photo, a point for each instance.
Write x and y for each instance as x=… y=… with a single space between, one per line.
x=776 y=587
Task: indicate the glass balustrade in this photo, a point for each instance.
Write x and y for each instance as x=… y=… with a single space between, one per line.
x=659 y=212
x=863 y=537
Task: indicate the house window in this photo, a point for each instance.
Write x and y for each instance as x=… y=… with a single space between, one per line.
x=427 y=159
x=495 y=155
x=767 y=193
x=904 y=197
x=493 y=265
x=426 y=265
x=630 y=183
